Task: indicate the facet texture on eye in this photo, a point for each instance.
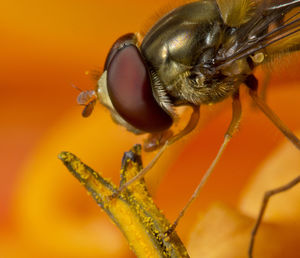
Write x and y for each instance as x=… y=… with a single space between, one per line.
x=129 y=87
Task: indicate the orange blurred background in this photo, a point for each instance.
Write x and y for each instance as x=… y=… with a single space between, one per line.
x=44 y=212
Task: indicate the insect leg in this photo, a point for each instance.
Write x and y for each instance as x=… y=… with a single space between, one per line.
x=252 y=84
x=193 y=121
x=157 y=140
x=236 y=117
x=263 y=207
x=265 y=85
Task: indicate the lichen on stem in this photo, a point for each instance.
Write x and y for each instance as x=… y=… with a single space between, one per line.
x=133 y=211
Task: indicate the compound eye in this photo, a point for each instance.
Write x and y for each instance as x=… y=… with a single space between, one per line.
x=130 y=91
x=125 y=40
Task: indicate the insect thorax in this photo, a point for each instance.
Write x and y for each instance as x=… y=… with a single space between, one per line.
x=181 y=49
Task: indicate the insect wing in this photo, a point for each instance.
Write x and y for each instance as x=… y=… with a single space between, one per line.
x=274 y=27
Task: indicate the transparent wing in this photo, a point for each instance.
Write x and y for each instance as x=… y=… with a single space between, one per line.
x=274 y=27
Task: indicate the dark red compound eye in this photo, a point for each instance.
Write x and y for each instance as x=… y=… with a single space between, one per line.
x=130 y=91
x=125 y=40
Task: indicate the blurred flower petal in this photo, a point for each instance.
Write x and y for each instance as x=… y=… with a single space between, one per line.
x=225 y=233
x=280 y=168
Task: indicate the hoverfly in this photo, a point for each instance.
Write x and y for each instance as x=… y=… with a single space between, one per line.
x=199 y=53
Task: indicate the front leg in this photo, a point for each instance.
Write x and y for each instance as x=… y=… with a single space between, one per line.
x=157 y=140
x=193 y=121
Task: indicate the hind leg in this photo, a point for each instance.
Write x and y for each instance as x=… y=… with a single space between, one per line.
x=263 y=207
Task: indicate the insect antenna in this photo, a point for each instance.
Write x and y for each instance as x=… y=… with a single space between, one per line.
x=87 y=99
x=76 y=88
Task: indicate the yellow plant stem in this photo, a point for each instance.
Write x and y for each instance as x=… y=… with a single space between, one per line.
x=133 y=211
